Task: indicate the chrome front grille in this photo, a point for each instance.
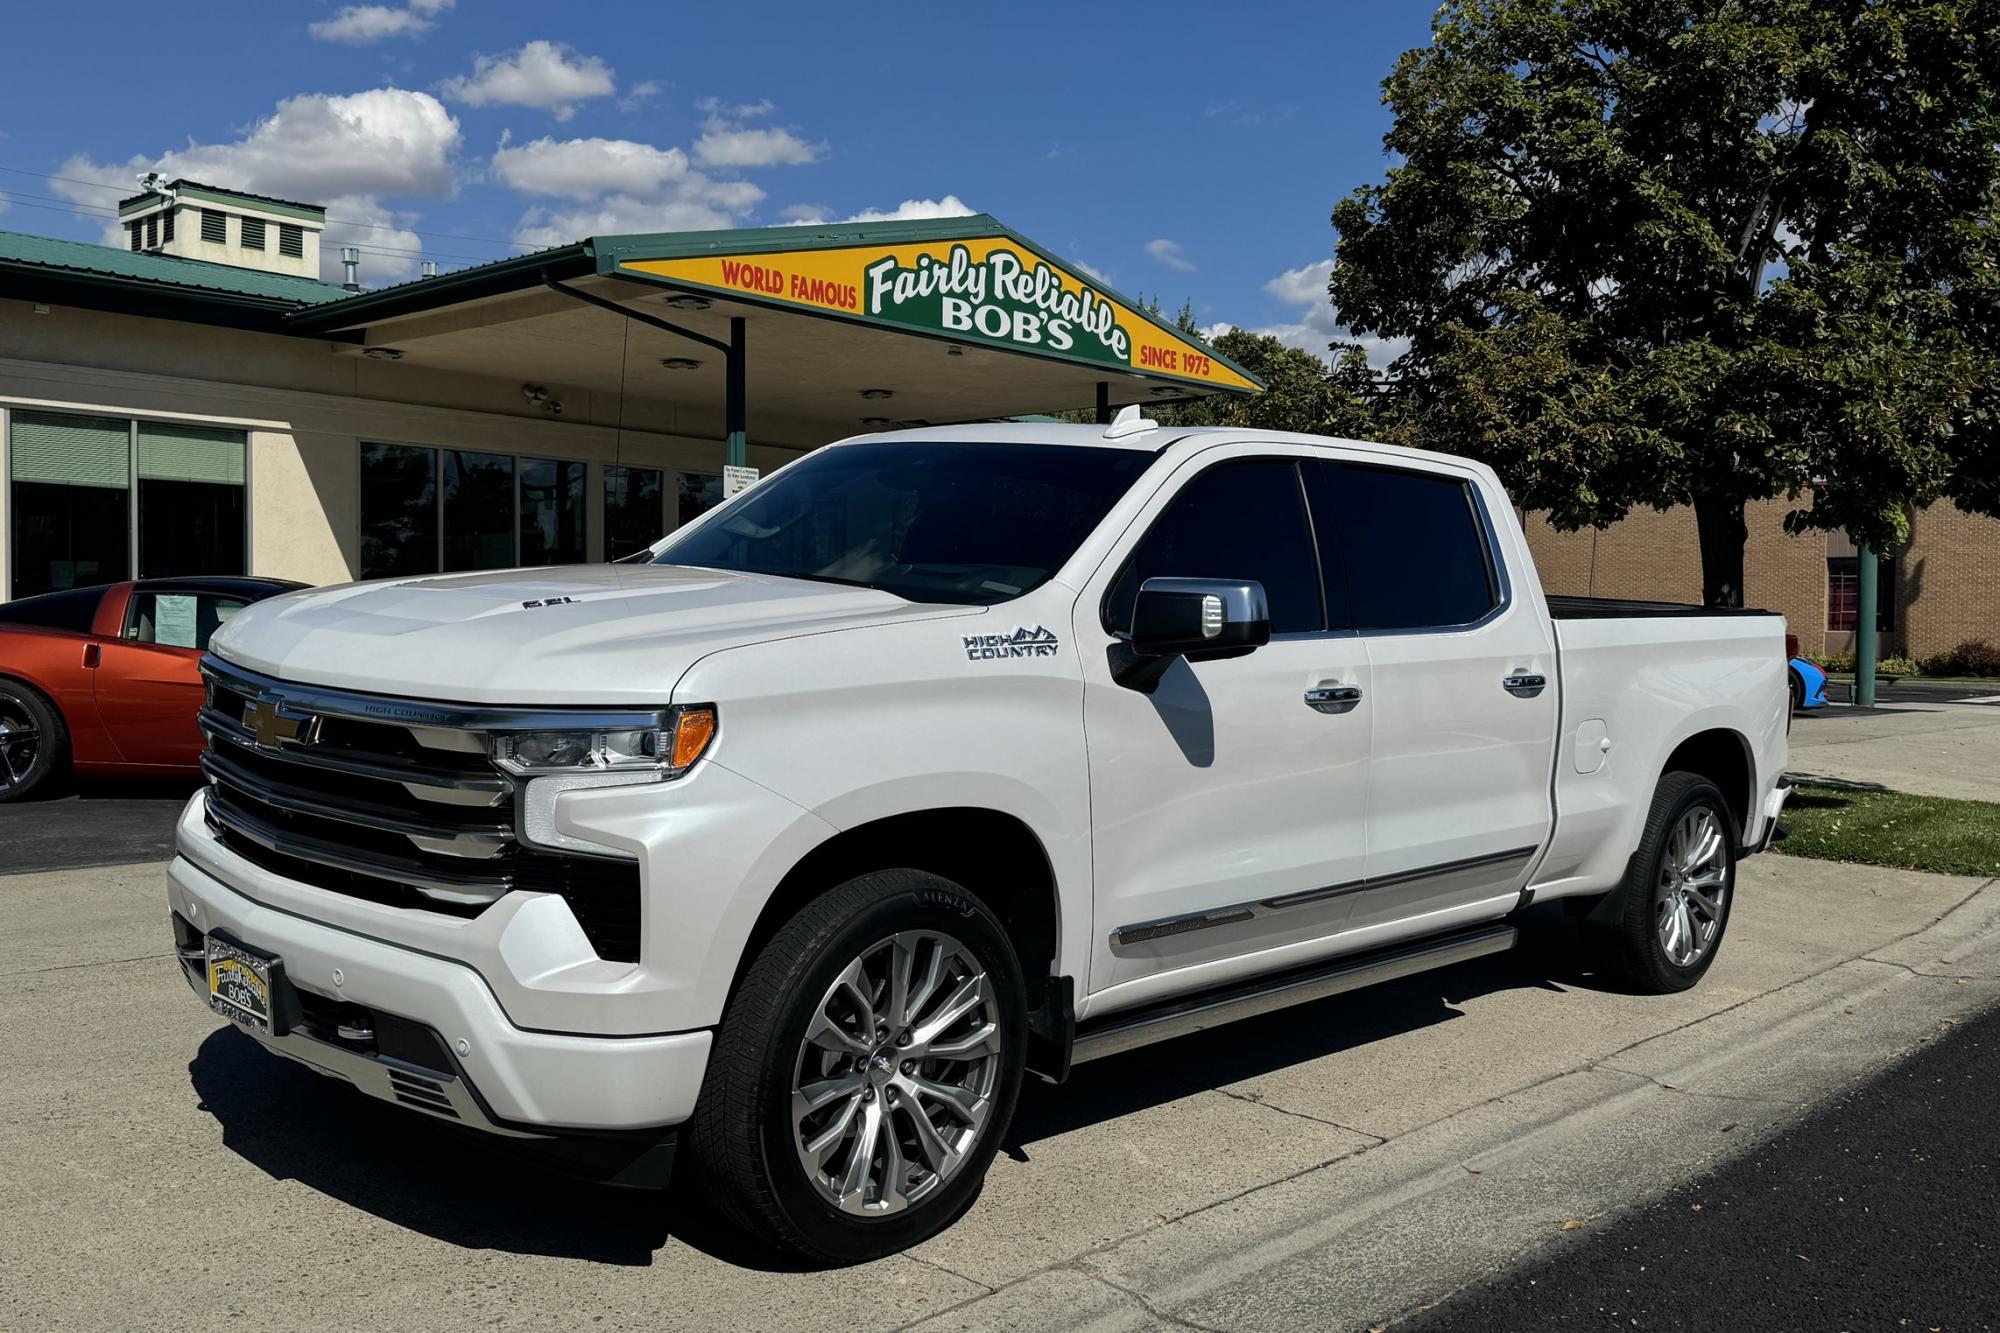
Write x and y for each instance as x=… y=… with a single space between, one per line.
x=392 y=800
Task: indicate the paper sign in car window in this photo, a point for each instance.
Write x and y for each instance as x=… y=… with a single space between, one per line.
x=173 y=620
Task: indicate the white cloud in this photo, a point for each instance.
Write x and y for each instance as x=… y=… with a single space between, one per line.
x=1318 y=323
x=692 y=203
x=1303 y=286
x=726 y=146
x=1171 y=254
x=716 y=110
x=1091 y=271
x=911 y=210
x=726 y=142
x=587 y=168
x=802 y=214
x=541 y=74
x=358 y=25
x=315 y=147
x=639 y=94
x=389 y=249
x=340 y=152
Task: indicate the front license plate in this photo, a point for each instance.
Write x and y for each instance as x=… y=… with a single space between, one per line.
x=239 y=984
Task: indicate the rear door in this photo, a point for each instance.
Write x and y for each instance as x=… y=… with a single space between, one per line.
x=148 y=679
x=1462 y=695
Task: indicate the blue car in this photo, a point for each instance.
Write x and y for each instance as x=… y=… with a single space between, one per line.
x=1808 y=684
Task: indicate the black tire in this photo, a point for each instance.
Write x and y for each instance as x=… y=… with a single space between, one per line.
x=37 y=765
x=741 y=1138
x=1635 y=949
x=1798 y=692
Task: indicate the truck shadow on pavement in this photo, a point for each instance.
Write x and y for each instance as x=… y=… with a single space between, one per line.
x=294 y=1124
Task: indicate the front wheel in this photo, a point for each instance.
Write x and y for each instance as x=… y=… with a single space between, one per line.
x=1678 y=891
x=865 y=1070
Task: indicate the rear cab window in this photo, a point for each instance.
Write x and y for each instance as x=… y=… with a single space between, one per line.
x=1402 y=549
x=73 y=612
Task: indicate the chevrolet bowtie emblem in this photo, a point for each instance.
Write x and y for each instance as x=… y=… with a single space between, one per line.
x=271 y=726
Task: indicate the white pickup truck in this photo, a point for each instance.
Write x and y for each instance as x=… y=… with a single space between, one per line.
x=934 y=759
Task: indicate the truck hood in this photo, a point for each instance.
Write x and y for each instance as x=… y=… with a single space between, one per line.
x=577 y=635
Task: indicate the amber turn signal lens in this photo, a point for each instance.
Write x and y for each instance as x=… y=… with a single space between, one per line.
x=692 y=735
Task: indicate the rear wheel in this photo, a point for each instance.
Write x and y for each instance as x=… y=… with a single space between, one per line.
x=1677 y=891
x=34 y=743
x=865 y=1070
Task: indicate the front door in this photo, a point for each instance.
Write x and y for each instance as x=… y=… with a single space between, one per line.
x=1228 y=812
x=1458 y=798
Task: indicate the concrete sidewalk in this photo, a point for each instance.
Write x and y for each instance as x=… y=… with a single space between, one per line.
x=1329 y=1166
x=1928 y=749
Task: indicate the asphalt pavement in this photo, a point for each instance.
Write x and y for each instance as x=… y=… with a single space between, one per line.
x=97 y=824
x=1881 y=1210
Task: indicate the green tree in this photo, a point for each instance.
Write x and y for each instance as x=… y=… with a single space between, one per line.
x=1300 y=392
x=1703 y=252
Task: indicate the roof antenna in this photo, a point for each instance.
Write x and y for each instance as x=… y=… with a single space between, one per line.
x=1129 y=422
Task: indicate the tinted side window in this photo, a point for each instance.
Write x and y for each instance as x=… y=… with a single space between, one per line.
x=73 y=611
x=178 y=619
x=1243 y=520
x=1406 y=550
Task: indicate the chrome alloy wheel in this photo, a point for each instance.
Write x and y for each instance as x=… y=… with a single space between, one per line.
x=1694 y=880
x=895 y=1078
x=20 y=742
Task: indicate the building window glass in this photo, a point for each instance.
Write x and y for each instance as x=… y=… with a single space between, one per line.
x=700 y=492
x=167 y=227
x=478 y=510
x=132 y=230
x=152 y=231
x=253 y=233
x=1843 y=593
x=70 y=502
x=551 y=512
x=291 y=240
x=634 y=510
x=399 y=511
x=214 y=227
x=191 y=500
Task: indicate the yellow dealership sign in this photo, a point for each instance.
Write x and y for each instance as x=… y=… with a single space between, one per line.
x=990 y=290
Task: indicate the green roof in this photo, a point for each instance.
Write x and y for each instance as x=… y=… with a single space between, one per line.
x=20 y=250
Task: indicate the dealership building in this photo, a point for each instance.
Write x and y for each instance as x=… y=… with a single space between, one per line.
x=198 y=401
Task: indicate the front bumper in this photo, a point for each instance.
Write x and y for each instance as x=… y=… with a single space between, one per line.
x=511 y=1082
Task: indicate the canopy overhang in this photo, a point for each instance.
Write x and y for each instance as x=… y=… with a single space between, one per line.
x=840 y=328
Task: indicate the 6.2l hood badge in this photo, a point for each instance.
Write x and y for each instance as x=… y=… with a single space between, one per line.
x=1036 y=642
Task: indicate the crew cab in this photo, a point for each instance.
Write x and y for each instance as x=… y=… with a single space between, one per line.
x=935 y=759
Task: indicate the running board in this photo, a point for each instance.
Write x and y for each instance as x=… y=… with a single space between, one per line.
x=1261 y=995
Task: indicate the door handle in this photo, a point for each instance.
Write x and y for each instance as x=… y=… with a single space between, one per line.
x=1524 y=687
x=1333 y=698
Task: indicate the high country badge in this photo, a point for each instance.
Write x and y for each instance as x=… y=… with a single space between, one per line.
x=1036 y=642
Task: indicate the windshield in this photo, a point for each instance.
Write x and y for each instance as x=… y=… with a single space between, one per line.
x=927 y=521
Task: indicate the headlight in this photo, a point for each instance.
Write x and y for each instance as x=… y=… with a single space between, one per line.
x=668 y=749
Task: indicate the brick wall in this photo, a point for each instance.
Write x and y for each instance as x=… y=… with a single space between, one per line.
x=1947 y=579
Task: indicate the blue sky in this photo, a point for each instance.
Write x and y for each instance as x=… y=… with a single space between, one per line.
x=1193 y=151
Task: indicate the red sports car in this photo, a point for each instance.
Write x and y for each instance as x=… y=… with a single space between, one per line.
x=104 y=679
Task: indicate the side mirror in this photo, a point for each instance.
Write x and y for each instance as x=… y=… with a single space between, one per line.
x=1199 y=619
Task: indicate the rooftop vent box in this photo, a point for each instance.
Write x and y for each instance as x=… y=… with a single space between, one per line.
x=197 y=221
